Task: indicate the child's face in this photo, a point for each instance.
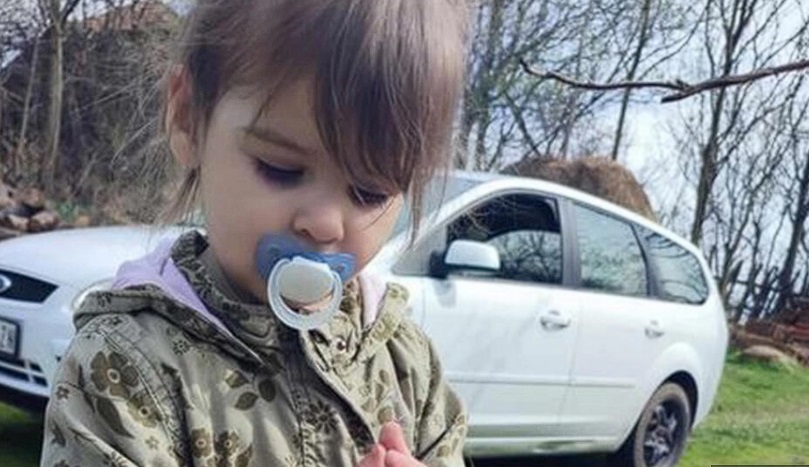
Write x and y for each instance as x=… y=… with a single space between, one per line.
x=275 y=176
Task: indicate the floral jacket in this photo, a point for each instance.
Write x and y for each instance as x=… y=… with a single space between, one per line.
x=167 y=370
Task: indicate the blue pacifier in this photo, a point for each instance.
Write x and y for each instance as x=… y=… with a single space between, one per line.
x=298 y=278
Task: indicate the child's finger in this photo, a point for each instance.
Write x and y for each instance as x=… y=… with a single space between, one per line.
x=397 y=459
x=375 y=458
x=392 y=437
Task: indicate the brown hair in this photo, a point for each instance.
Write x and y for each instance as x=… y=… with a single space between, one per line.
x=387 y=76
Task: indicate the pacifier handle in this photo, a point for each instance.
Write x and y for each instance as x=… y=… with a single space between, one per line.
x=292 y=318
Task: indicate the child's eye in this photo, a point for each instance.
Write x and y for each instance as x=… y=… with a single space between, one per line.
x=367 y=198
x=276 y=174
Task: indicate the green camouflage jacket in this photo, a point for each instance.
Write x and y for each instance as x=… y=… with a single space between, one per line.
x=171 y=371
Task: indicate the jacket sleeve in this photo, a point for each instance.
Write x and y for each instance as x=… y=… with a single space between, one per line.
x=105 y=409
x=441 y=431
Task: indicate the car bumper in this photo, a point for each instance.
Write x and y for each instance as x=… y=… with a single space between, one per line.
x=45 y=331
x=34 y=403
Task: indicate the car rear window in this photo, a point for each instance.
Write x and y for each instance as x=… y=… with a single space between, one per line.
x=679 y=272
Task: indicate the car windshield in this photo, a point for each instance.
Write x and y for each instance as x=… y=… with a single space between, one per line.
x=435 y=197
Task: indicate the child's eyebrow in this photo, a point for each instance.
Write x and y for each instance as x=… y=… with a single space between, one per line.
x=269 y=135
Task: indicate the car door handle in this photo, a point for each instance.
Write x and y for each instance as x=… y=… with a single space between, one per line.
x=654 y=330
x=554 y=320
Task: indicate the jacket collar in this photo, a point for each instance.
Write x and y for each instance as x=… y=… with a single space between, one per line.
x=173 y=282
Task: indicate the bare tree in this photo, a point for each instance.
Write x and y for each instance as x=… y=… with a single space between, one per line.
x=659 y=32
x=508 y=116
x=796 y=197
x=643 y=38
x=56 y=12
x=113 y=54
x=737 y=141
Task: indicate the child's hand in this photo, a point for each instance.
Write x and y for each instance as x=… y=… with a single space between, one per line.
x=396 y=452
x=391 y=451
x=375 y=458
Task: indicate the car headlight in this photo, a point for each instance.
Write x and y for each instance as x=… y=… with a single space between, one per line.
x=95 y=287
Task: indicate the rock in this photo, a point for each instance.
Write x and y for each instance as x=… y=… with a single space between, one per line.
x=32 y=198
x=82 y=221
x=767 y=354
x=801 y=353
x=43 y=221
x=741 y=339
x=14 y=222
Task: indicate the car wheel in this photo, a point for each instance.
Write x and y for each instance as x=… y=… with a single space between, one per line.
x=659 y=436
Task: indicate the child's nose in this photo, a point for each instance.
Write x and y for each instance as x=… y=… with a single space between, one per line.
x=320 y=220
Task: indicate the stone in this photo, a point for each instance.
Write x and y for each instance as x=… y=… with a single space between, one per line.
x=82 y=221
x=43 y=221
x=767 y=354
x=14 y=222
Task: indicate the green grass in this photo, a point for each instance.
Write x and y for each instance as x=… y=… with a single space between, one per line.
x=20 y=438
x=761 y=416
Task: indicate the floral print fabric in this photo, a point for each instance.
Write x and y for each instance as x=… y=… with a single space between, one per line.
x=149 y=381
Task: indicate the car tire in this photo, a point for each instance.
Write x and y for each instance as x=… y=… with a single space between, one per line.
x=660 y=434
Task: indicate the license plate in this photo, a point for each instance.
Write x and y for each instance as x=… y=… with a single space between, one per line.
x=9 y=339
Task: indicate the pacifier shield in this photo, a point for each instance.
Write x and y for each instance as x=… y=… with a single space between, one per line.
x=305 y=282
x=298 y=279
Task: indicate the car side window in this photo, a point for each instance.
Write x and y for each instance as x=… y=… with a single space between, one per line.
x=679 y=273
x=525 y=230
x=611 y=258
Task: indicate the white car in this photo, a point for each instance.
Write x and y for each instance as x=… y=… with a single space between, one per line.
x=566 y=324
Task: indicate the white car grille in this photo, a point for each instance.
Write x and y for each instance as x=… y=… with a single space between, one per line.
x=22 y=371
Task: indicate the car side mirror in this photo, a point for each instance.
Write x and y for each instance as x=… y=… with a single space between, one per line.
x=465 y=255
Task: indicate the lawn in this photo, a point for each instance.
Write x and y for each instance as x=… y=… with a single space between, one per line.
x=761 y=417
x=20 y=438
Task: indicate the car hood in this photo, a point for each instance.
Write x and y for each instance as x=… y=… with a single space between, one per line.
x=80 y=257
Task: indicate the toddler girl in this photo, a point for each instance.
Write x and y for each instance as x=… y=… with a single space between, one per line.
x=303 y=127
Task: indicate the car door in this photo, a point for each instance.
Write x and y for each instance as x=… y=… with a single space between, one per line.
x=506 y=339
x=622 y=329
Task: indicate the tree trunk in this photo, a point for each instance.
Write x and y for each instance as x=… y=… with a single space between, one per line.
x=22 y=140
x=55 y=93
x=709 y=153
x=482 y=80
x=467 y=122
x=786 y=278
x=646 y=14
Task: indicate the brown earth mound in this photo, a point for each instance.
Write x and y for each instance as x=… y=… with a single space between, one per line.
x=597 y=176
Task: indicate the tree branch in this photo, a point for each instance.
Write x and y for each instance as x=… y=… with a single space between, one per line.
x=68 y=9
x=681 y=89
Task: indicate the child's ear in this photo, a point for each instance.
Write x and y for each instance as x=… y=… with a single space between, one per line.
x=179 y=121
